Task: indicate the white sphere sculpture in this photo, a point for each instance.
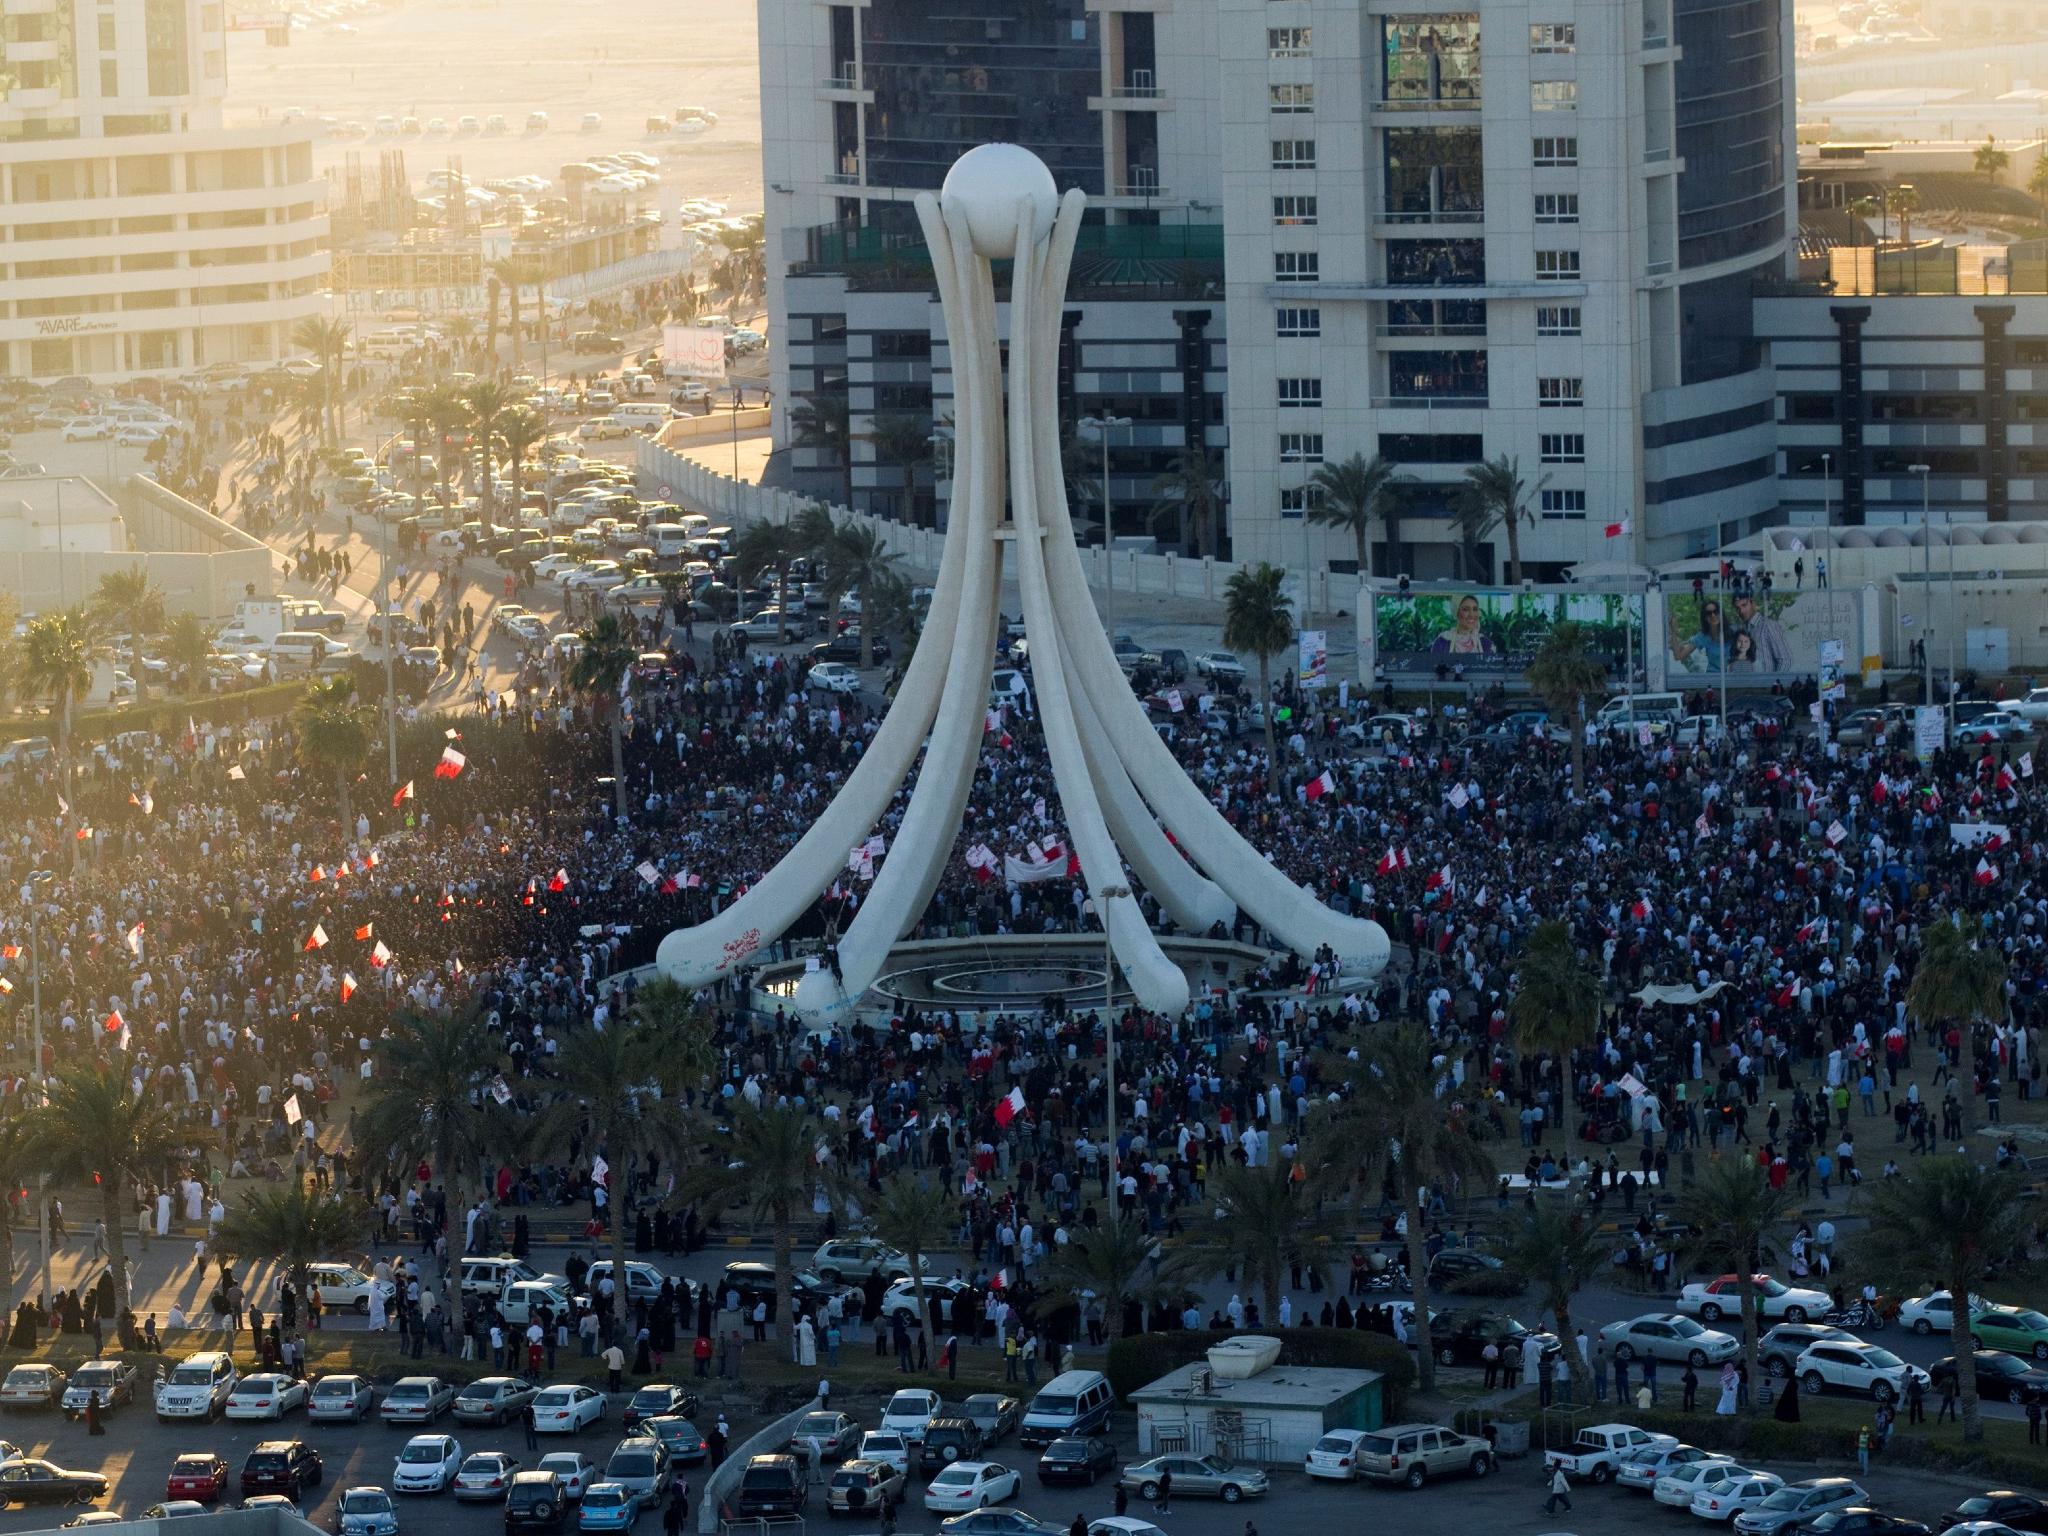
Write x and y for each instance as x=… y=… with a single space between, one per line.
x=988 y=183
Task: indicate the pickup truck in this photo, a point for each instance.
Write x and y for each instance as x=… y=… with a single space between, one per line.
x=1597 y=1451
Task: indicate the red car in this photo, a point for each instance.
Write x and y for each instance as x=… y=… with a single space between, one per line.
x=198 y=1475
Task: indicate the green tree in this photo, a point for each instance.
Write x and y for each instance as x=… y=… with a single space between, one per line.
x=894 y=613
x=129 y=600
x=1495 y=493
x=93 y=1128
x=903 y=438
x=294 y=1226
x=1258 y=620
x=488 y=402
x=1991 y=160
x=618 y=1092
x=443 y=408
x=518 y=273
x=1564 y=675
x=1191 y=494
x=1555 y=1249
x=1356 y=493
x=856 y=560
x=334 y=731
x=769 y=546
x=188 y=642
x=1730 y=1211
x=596 y=676
x=1261 y=1223
x=819 y=423
x=1959 y=979
x=327 y=342
x=1556 y=1004
x=768 y=1162
x=56 y=664
x=425 y=1103
x=521 y=429
x=1961 y=1219
x=2037 y=183
x=1113 y=1264
x=917 y=1214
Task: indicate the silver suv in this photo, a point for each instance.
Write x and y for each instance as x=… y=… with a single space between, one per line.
x=1412 y=1454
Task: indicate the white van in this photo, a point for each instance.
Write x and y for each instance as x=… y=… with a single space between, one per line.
x=695 y=525
x=667 y=539
x=1657 y=708
x=1072 y=1403
x=295 y=651
x=640 y=415
x=521 y=1298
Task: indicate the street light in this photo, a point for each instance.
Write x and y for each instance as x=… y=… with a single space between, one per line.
x=29 y=891
x=1108 y=894
x=1926 y=581
x=1102 y=426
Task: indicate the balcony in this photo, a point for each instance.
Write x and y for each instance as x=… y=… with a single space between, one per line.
x=28 y=7
x=839 y=83
x=43 y=51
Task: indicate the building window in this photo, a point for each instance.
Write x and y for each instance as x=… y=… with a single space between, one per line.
x=1291 y=98
x=1553 y=37
x=1563 y=506
x=1557 y=207
x=1430 y=60
x=1288 y=42
x=1557 y=266
x=1294 y=209
x=1559 y=320
x=1294 y=154
x=1298 y=500
x=1564 y=393
x=110 y=79
x=1551 y=151
x=1296 y=266
x=1554 y=96
x=1296 y=393
x=1301 y=447
x=1298 y=320
x=1446 y=378
x=107 y=43
x=1563 y=447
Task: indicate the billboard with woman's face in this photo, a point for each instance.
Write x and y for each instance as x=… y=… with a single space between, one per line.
x=1489 y=629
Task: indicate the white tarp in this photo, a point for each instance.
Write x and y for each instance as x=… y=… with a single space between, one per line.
x=1683 y=997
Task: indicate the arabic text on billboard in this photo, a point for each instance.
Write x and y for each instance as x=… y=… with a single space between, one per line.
x=1487 y=630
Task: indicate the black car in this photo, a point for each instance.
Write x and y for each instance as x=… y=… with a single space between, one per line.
x=536 y=1501
x=1779 y=1349
x=31 y=1480
x=846 y=648
x=288 y=1467
x=1460 y=1338
x=771 y=1488
x=2021 y=1511
x=1073 y=1459
x=659 y=1398
x=1999 y=1374
x=756 y=1282
x=1861 y=1520
x=948 y=1438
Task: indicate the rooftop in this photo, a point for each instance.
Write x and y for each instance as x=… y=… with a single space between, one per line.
x=1278 y=1386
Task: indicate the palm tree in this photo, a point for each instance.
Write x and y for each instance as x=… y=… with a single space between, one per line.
x=893 y=613
x=1564 y=675
x=1556 y=1006
x=294 y=1226
x=56 y=664
x=93 y=1127
x=1962 y=1219
x=426 y=1104
x=1263 y=1222
x=327 y=341
x=188 y=641
x=494 y=290
x=1960 y=977
x=1355 y=494
x=1396 y=1124
x=2037 y=183
x=127 y=599
x=1991 y=160
x=1495 y=490
x=597 y=674
x=902 y=438
x=856 y=560
x=334 y=730
x=1258 y=618
x=488 y=401
x=521 y=429
x=1190 y=493
x=1731 y=1210
x=1113 y=1264
x=767 y=546
x=517 y=272
x=767 y=1161
x=1556 y=1249
x=917 y=1215
x=619 y=1094
x=444 y=409
x=819 y=423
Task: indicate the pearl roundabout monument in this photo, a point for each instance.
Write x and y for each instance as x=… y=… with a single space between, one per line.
x=1133 y=815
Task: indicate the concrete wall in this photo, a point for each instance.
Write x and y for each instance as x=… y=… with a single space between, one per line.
x=205 y=566
x=720 y=1484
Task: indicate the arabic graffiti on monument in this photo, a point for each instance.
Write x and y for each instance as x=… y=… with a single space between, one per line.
x=741 y=947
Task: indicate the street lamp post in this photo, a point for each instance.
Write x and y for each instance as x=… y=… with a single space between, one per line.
x=36 y=878
x=1108 y=894
x=1927 y=583
x=1102 y=426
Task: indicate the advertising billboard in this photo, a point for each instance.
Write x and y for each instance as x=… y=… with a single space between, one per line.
x=692 y=352
x=1487 y=630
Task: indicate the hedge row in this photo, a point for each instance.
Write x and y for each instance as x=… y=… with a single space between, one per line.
x=1136 y=1361
x=167 y=716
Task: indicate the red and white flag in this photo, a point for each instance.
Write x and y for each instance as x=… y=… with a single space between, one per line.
x=1986 y=872
x=402 y=794
x=2004 y=779
x=6 y=986
x=114 y=1023
x=317 y=939
x=1620 y=530
x=1009 y=1106
x=1389 y=862
x=348 y=986
x=379 y=955
x=1318 y=787
x=317 y=872
x=1440 y=880
x=1641 y=909
x=365 y=932
x=559 y=880
x=452 y=762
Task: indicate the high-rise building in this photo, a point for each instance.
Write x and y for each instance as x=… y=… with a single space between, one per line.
x=138 y=232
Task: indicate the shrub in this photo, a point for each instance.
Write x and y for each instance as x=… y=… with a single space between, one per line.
x=1145 y=1357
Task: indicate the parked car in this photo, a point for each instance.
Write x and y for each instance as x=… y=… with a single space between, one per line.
x=1730 y=1496
x=367 y=1512
x=266 y=1395
x=485 y=1476
x=1864 y=1369
x=32 y=1480
x=855 y=1258
x=833 y=677
x=575 y=1471
x=858 y=1486
x=427 y=1464
x=1934 y=1312
x=1669 y=1336
x=201 y=1475
x=965 y=1485
x=289 y=1467
x=1596 y=1452
x=1677 y=1486
x=108 y=1383
x=608 y=1507
x=890 y=1447
x=493 y=1400
x=949 y=1437
x=1999 y=1374
x=2018 y=1511
x=1861 y=1520
x=1076 y=1459
x=1196 y=1477
x=832 y=1436
x=658 y=1399
x=32 y=1386
x=1641 y=1469
x=1219 y=666
x=536 y=1501
x=1412 y=1454
x=416 y=1400
x=909 y=1411
x=679 y=1437
x=567 y=1410
x=1712 y=1300
x=1779 y=1350
x=771 y=1488
x=345 y=1398
x=1796 y=1503
x=994 y=1413
x=2019 y=1329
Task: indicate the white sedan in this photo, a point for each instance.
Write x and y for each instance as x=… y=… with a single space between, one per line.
x=485 y=1475
x=835 y=677
x=1729 y=1496
x=1776 y=1302
x=900 y=1300
x=265 y=1396
x=566 y=1410
x=970 y=1485
x=1671 y=1337
x=345 y=1286
x=1676 y=1487
x=576 y=1470
x=428 y=1464
x=1934 y=1313
x=1641 y=1469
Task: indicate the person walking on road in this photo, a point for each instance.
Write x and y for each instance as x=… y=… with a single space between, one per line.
x=526 y=1420
x=1164 y=1503
x=1560 y=1492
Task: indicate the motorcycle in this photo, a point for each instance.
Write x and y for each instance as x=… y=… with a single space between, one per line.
x=1858 y=1314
